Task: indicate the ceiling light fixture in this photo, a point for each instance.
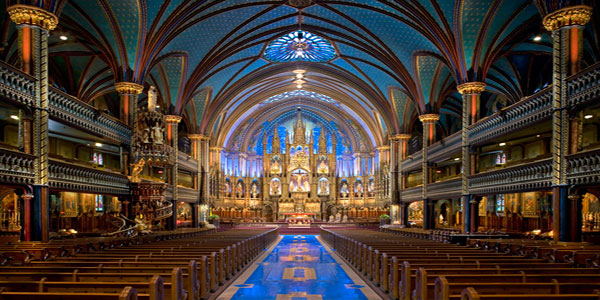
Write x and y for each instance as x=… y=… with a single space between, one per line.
x=98 y=144
x=14 y=117
x=63 y=37
x=502 y=144
x=587 y=117
x=537 y=38
x=457 y=158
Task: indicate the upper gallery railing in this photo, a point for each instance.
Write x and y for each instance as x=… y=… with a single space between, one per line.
x=20 y=87
x=68 y=108
x=528 y=176
x=16 y=167
x=69 y=176
x=186 y=162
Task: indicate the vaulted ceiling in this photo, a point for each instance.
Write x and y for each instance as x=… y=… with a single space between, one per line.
x=394 y=59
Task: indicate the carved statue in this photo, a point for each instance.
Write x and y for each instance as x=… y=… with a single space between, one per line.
x=338 y=217
x=136 y=170
x=254 y=190
x=157 y=134
x=331 y=219
x=146 y=135
x=151 y=99
x=275 y=187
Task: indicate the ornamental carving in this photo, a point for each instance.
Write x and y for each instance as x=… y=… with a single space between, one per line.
x=31 y=15
x=568 y=16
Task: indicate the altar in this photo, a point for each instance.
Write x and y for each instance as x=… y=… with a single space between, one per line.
x=299 y=219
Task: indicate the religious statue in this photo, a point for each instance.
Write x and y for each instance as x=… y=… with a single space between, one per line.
x=338 y=217
x=157 y=134
x=323 y=187
x=323 y=168
x=275 y=168
x=275 y=187
x=136 y=170
x=151 y=99
x=254 y=190
x=239 y=190
x=344 y=190
x=359 y=189
x=146 y=135
x=227 y=189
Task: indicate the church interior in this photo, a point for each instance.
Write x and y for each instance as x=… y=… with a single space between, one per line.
x=299 y=149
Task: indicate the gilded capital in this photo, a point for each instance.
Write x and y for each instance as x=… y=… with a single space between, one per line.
x=198 y=136
x=569 y=16
x=383 y=148
x=401 y=136
x=130 y=88
x=429 y=118
x=32 y=15
x=172 y=119
x=473 y=87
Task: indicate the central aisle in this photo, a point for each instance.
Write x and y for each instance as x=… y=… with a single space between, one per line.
x=299 y=267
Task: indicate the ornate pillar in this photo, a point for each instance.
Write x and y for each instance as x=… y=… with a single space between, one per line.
x=471 y=92
x=195 y=139
x=566 y=26
x=33 y=25
x=204 y=165
x=172 y=122
x=429 y=121
x=128 y=93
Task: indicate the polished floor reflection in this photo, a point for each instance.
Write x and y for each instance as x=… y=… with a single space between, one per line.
x=299 y=267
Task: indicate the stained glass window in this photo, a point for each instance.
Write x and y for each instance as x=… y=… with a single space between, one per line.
x=99 y=202
x=500 y=203
x=100 y=159
x=95 y=159
x=300 y=46
x=500 y=158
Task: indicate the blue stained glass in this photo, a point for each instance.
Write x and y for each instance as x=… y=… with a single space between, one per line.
x=300 y=46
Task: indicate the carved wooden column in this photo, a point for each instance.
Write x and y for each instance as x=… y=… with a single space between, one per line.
x=172 y=137
x=128 y=93
x=33 y=25
x=400 y=147
x=196 y=153
x=471 y=92
x=566 y=26
x=428 y=121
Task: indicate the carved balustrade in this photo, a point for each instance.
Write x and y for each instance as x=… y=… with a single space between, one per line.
x=16 y=167
x=450 y=188
x=530 y=110
x=411 y=194
x=187 y=163
x=66 y=176
x=16 y=85
x=584 y=86
x=529 y=176
x=584 y=167
x=68 y=108
x=187 y=194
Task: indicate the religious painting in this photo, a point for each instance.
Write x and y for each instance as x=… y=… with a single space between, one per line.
x=299 y=181
x=275 y=187
x=358 y=188
x=322 y=165
x=87 y=203
x=529 y=203
x=415 y=212
x=254 y=189
x=483 y=206
x=323 y=187
x=344 y=191
x=371 y=187
x=70 y=204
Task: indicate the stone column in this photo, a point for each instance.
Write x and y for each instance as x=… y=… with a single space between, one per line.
x=566 y=26
x=33 y=25
x=471 y=92
x=172 y=122
x=428 y=121
x=204 y=165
